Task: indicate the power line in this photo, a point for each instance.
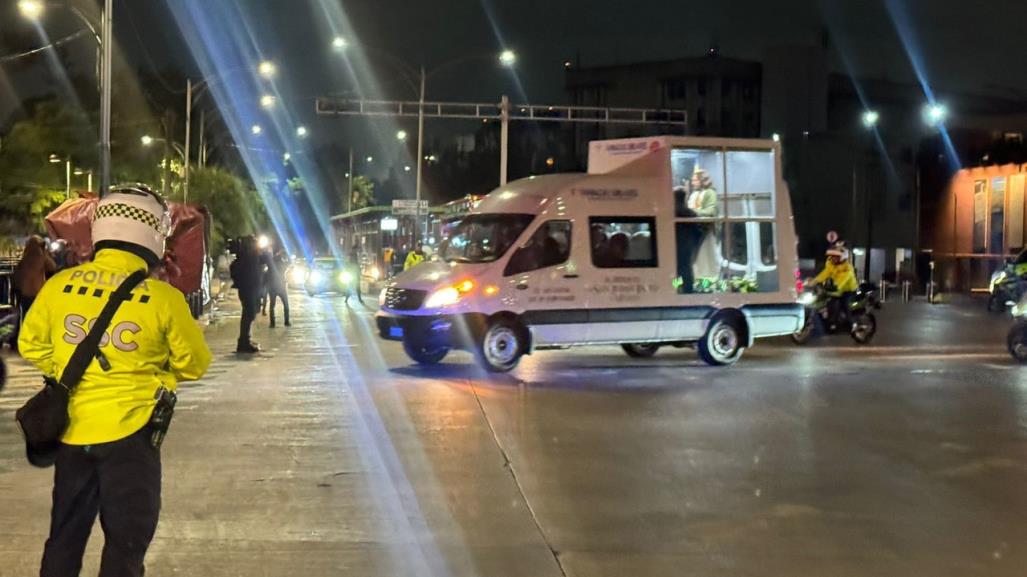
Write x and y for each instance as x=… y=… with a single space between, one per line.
x=50 y=46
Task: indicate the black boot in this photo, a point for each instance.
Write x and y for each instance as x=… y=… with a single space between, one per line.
x=247 y=347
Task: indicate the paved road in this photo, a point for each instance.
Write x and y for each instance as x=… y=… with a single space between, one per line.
x=330 y=454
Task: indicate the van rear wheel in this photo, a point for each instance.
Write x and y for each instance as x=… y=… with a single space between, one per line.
x=722 y=344
x=640 y=350
x=501 y=346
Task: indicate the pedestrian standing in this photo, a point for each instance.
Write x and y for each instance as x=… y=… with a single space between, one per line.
x=35 y=266
x=247 y=275
x=277 y=264
x=352 y=265
x=108 y=459
x=415 y=257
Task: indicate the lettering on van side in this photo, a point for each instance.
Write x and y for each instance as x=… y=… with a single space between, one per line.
x=120 y=335
x=552 y=295
x=601 y=194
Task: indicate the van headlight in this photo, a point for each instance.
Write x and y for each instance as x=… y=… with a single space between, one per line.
x=450 y=295
x=346 y=277
x=315 y=277
x=299 y=276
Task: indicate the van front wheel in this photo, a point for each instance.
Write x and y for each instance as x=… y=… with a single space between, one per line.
x=501 y=346
x=722 y=344
x=424 y=354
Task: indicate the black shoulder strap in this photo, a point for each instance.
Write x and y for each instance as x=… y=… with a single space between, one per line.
x=88 y=348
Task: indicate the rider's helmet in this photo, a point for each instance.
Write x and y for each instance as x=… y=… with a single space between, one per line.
x=133 y=218
x=837 y=252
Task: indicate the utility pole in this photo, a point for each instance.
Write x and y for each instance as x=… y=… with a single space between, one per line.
x=504 y=137
x=349 y=196
x=106 y=45
x=67 y=179
x=188 y=130
x=420 y=157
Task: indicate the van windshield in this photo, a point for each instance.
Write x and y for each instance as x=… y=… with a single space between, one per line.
x=484 y=237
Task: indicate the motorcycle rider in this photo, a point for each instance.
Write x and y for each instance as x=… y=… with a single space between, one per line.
x=838 y=278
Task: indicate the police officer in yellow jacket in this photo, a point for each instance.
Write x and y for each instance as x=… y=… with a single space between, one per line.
x=108 y=462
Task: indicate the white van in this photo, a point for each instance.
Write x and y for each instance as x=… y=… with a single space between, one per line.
x=665 y=241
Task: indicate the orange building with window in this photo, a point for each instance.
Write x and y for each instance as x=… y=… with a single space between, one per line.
x=977 y=222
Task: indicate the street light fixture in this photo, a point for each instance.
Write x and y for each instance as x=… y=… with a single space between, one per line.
x=401 y=135
x=339 y=43
x=267 y=69
x=147 y=140
x=301 y=131
x=870 y=118
x=267 y=101
x=370 y=159
x=55 y=159
x=935 y=114
x=31 y=9
x=256 y=129
x=508 y=58
x=286 y=157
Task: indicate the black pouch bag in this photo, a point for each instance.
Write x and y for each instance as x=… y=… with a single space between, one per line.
x=44 y=418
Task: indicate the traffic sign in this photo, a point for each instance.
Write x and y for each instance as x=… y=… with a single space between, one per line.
x=406 y=206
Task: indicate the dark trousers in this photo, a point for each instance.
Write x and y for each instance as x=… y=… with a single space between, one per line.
x=120 y=481
x=279 y=294
x=250 y=308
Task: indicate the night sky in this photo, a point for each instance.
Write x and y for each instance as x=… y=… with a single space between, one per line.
x=975 y=47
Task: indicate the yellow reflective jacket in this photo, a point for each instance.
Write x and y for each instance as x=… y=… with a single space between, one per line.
x=843 y=275
x=152 y=341
x=413 y=259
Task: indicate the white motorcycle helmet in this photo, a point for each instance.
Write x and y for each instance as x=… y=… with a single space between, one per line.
x=133 y=218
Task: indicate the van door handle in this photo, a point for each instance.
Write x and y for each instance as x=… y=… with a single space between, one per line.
x=521 y=287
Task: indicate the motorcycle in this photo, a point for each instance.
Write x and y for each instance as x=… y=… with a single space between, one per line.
x=859 y=320
x=1006 y=287
x=1016 y=340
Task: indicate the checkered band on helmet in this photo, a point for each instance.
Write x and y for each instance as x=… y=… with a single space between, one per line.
x=127 y=211
x=133 y=214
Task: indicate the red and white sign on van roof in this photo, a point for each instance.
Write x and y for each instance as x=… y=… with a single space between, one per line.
x=608 y=155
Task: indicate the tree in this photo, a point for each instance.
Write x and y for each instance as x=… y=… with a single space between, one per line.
x=30 y=185
x=235 y=208
x=363 y=192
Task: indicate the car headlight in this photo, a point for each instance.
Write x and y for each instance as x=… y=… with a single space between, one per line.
x=315 y=277
x=449 y=295
x=298 y=275
x=346 y=277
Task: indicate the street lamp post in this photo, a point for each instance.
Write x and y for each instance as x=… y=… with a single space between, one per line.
x=870 y=118
x=89 y=177
x=266 y=69
x=105 y=96
x=33 y=10
x=507 y=58
x=54 y=159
